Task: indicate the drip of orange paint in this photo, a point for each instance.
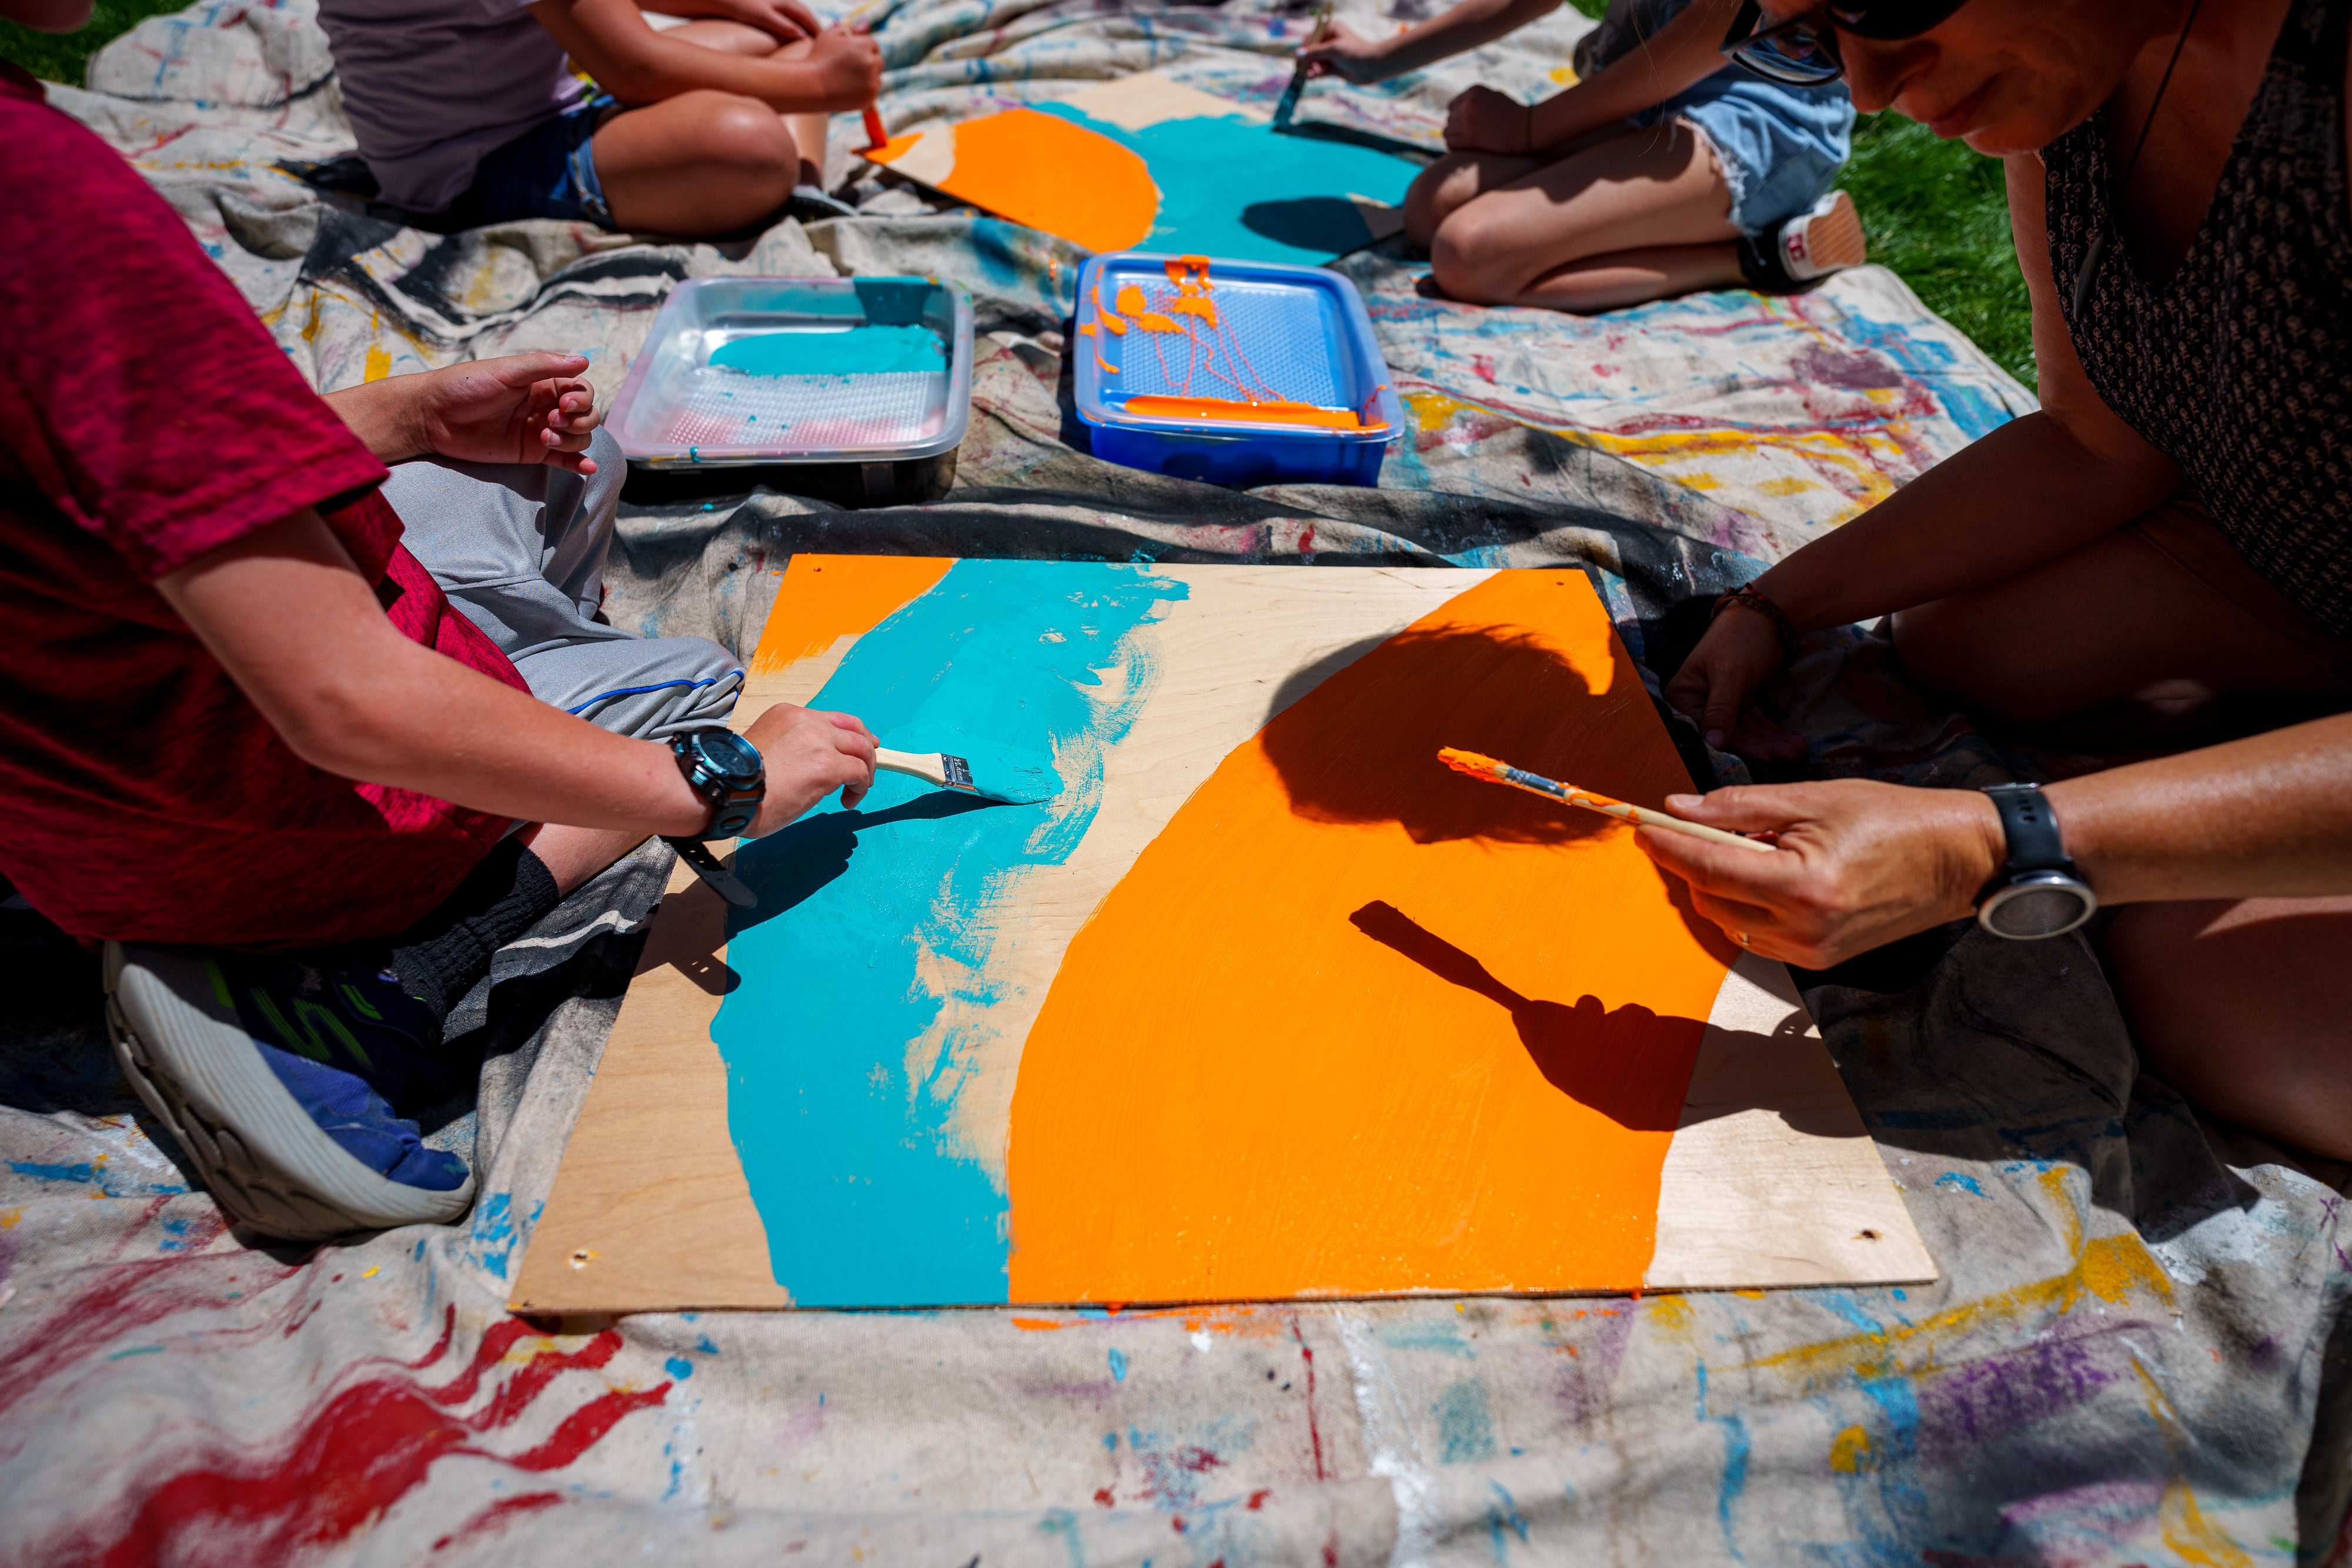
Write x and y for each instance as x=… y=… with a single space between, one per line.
x=1269 y=412
x=1131 y=301
x=1194 y=305
x=1153 y=321
x=1347 y=1027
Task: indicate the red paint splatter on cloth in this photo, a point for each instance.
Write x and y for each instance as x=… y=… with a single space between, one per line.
x=359 y=1453
x=493 y=1518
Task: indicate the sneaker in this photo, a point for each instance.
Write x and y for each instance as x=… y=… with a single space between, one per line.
x=1827 y=239
x=277 y=1079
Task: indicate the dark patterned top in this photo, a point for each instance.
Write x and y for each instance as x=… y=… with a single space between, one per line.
x=2240 y=370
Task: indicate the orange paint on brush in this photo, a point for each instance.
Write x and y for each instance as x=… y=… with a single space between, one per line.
x=1161 y=406
x=1453 y=1027
x=824 y=598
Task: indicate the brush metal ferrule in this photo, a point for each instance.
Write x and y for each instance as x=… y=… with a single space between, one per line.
x=958 y=774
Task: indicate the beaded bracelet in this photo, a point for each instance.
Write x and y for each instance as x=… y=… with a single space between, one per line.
x=1748 y=596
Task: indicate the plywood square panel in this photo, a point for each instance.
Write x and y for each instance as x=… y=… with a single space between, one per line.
x=1265 y=1004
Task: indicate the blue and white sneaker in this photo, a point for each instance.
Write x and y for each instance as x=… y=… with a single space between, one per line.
x=276 y=1077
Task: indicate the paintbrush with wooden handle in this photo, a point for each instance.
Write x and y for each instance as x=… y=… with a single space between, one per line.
x=1495 y=772
x=1017 y=778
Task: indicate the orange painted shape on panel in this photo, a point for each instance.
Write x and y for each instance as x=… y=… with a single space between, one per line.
x=1163 y=406
x=1042 y=171
x=825 y=598
x=892 y=149
x=1355 y=1024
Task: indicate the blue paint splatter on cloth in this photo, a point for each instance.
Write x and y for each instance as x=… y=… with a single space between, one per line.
x=841 y=1094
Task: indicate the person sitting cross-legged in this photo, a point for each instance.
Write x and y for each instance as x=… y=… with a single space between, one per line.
x=470 y=113
x=246 y=747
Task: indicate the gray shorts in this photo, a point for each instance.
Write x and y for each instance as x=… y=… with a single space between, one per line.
x=520 y=550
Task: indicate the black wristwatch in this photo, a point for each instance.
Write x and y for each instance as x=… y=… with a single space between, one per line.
x=2036 y=893
x=725 y=769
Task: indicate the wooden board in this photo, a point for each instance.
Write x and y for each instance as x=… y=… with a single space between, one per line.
x=1259 y=1009
x=1146 y=162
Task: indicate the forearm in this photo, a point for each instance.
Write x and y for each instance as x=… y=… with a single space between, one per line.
x=385 y=415
x=412 y=720
x=612 y=41
x=1459 y=30
x=1686 y=52
x=2025 y=494
x=2267 y=816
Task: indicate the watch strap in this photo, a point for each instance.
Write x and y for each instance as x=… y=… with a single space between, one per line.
x=2031 y=829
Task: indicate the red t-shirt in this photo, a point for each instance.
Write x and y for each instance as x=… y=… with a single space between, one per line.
x=145 y=419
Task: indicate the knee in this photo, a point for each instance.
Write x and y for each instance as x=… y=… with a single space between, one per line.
x=746 y=139
x=1462 y=258
x=1431 y=199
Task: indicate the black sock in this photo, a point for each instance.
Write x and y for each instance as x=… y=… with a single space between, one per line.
x=1761 y=263
x=446 y=955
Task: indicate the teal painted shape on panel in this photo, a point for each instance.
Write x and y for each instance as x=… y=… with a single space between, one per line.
x=1235 y=188
x=841 y=1093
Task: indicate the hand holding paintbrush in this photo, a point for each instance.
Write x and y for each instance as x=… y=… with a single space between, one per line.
x=1304 y=69
x=1495 y=772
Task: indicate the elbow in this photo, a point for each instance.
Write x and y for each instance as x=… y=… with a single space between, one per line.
x=335 y=723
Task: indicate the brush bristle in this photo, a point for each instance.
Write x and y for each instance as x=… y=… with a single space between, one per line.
x=1470 y=762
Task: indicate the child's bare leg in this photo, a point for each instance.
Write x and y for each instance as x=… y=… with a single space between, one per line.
x=1630 y=199
x=1441 y=190
x=703 y=163
x=808 y=131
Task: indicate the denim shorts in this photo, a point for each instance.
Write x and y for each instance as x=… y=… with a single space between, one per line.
x=1780 y=147
x=548 y=171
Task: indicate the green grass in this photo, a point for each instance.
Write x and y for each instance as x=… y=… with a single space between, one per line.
x=1938 y=215
x=1934 y=211
x=58 y=57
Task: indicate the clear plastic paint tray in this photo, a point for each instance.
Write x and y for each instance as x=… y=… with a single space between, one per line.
x=1236 y=372
x=678 y=409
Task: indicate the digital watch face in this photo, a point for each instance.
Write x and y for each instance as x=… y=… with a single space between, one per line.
x=2047 y=904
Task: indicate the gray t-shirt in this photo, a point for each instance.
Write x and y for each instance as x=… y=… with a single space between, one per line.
x=432 y=85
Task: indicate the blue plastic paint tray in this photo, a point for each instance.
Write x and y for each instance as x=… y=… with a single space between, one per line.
x=678 y=409
x=1295 y=335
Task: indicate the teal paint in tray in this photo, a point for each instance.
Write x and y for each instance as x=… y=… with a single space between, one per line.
x=857 y=350
x=840 y=1101
x=1235 y=188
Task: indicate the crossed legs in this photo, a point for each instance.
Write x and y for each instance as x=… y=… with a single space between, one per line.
x=1621 y=219
x=708 y=162
x=2244 y=1005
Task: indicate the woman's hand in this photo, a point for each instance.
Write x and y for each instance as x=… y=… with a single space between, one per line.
x=1740 y=652
x=809 y=753
x=1484 y=120
x=848 y=63
x=1344 y=53
x=1859 y=863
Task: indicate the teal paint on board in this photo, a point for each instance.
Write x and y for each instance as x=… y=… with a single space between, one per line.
x=1289 y=204
x=840 y=1100
x=860 y=350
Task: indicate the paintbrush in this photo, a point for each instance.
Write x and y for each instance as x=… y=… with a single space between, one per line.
x=1289 y=104
x=1495 y=772
x=1019 y=778
x=877 y=135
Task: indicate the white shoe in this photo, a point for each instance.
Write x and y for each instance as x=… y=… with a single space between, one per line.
x=1827 y=239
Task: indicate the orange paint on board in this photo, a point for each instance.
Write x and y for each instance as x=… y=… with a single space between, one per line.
x=1045 y=172
x=824 y=598
x=1452 y=1028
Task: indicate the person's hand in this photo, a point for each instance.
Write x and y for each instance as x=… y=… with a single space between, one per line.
x=1484 y=120
x=809 y=753
x=782 y=20
x=1740 y=652
x=1344 y=53
x=848 y=67
x=524 y=408
x=1859 y=863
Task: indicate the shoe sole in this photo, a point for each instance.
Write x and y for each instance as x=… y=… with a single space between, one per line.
x=1835 y=240
x=257 y=1150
